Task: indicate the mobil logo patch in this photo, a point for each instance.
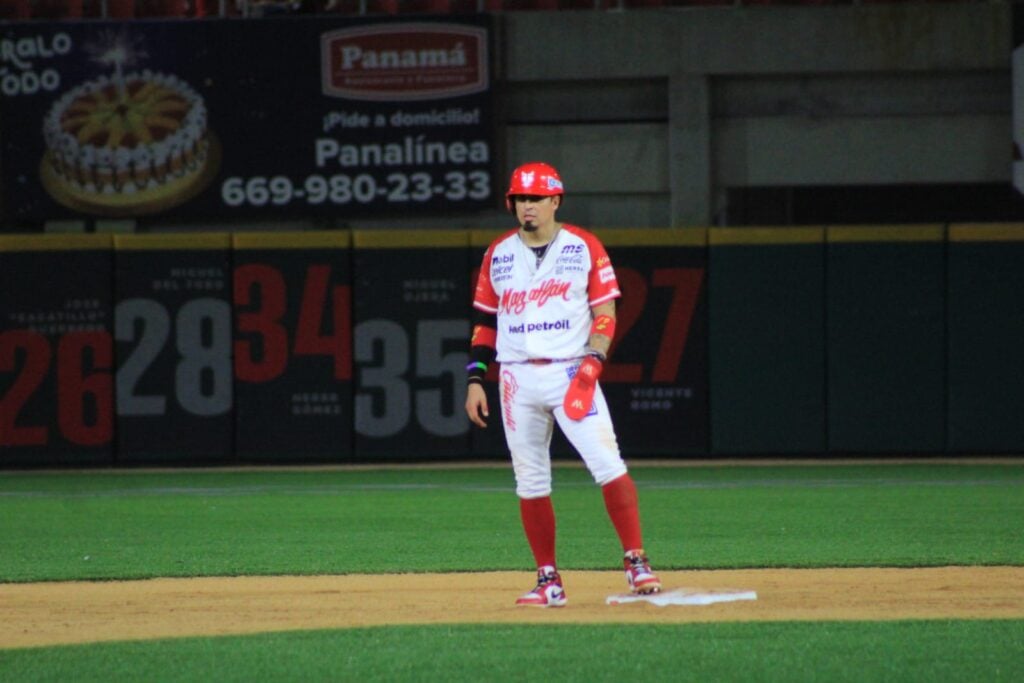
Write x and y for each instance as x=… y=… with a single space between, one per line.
x=414 y=61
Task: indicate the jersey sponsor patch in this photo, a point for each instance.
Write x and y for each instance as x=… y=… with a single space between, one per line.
x=606 y=274
x=562 y=270
x=570 y=263
x=543 y=326
x=501 y=273
x=502 y=267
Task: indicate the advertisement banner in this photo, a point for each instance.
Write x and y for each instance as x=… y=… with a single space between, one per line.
x=289 y=117
x=293 y=347
x=56 y=350
x=410 y=343
x=172 y=332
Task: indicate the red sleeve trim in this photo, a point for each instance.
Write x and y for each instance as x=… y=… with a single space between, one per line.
x=485 y=298
x=607 y=297
x=484 y=336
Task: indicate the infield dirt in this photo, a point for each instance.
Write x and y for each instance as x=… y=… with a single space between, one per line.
x=80 y=612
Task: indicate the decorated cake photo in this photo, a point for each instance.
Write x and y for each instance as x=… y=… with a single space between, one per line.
x=128 y=144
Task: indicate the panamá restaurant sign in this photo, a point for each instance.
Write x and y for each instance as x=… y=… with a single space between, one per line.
x=396 y=62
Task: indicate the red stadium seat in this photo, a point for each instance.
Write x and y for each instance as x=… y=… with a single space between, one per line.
x=426 y=6
x=791 y=2
x=120 y=9
x=356 y=6
x=522 y=5
x=587 y=4
x=382 y=7
x=57 y=9
x=341 y=7
x=15 y=10
x=161 y=8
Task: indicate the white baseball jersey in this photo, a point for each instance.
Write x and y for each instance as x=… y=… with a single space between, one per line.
x=544 y=309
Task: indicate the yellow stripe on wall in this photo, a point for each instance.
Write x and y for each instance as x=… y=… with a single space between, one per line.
x=318 y=239
x=652 y=237
x=986 y=232
x=484 y=237
x=403 y=239
x=618 y=237
x=758 y=235
x=612 y=237
x=885 y=233
x=184 y=241
x=69 y=242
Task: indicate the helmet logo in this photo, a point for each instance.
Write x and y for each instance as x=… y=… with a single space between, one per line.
x=537 y=179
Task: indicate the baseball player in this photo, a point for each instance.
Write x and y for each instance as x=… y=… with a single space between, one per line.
x=545 y=310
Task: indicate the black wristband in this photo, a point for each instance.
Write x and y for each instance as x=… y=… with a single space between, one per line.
x=480 y=358
x=477 y=370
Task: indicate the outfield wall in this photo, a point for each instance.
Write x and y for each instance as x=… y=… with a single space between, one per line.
x=349 y=346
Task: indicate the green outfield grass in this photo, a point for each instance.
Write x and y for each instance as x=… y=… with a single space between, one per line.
x=926 y=651
x=110 y=525
x=196 y=523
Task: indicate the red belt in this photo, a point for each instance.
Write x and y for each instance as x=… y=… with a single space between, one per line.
x=540 y=361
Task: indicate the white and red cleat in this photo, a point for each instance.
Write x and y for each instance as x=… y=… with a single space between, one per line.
x=642 y=580
x=548 y=592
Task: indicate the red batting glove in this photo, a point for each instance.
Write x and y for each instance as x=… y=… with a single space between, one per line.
x=580 y=396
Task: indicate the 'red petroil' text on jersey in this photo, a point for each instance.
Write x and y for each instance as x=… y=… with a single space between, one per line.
x=544 y=309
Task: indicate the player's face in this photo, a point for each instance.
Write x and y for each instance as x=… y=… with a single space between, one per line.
x=535 y=210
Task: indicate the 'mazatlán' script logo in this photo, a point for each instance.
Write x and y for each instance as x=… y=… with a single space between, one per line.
x=515 y=300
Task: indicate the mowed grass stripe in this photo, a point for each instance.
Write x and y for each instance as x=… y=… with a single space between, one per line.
x=769 y=652
x=486 y=480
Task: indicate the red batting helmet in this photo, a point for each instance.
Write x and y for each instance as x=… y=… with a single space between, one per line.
x=535 y=178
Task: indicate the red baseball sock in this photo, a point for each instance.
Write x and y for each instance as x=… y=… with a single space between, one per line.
x=622 y=503
x=539 y=524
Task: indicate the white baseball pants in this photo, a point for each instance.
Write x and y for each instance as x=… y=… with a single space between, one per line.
x=531 y=402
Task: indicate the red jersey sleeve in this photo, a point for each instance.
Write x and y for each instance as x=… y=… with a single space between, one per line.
x=602 y=286
x=485 y=298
